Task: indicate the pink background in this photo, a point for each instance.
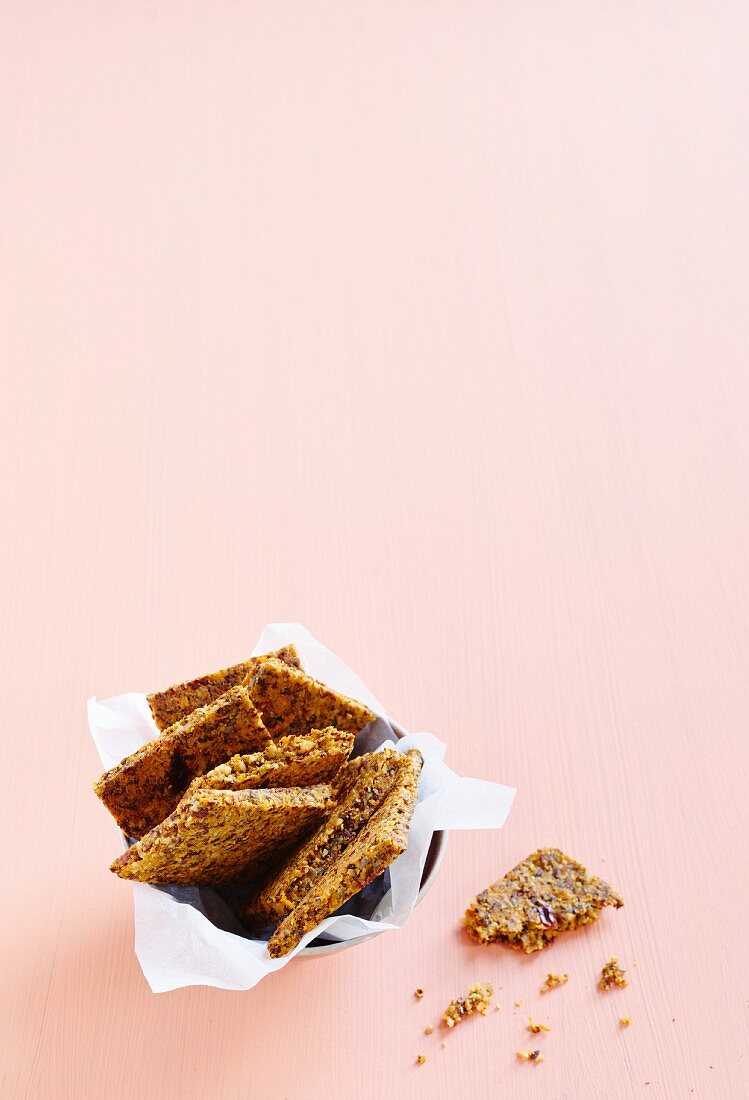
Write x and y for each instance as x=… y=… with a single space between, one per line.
x=423 y=324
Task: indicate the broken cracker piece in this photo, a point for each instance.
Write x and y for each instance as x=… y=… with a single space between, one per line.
x=374 y=774
x=291 y=702
x=478 y=1000
x=383 y=839
x=545 y=895
x=176 y=702
x=612 y=975
x=143 y=788
x=288 y=762
x=218 y=837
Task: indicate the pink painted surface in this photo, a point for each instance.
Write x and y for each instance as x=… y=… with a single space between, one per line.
x=425 y=325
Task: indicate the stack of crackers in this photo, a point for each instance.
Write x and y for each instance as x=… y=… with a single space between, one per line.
x=251 y=781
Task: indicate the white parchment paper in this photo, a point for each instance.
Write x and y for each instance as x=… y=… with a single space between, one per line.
x=189 y=936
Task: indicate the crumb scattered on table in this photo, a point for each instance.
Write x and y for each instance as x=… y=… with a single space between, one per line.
x=428 y=1029
x=552 y=981
x=478 y=1000
x=530 y=1056
x=535 y=1028
x=419 y=993
x=518 y=1003
x=420 y=1059
x=625 y=1021
x=612 y=975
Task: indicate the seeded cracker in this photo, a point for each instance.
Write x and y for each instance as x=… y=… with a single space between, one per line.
x=291 y=702
x=219 y=837
x=170 y=706
x=288 y=762
x=143 y=788
x=381 y=841
x=545 y=895
x=374 y=774
x=478 y=1000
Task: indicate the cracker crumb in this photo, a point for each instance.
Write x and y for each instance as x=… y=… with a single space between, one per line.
x=443 y=1044
x=418 y=993
x=428 y=1029
x=612 y=975
x=625 y=1021
x=420 y=1059
x=497 y=1008
x=518 y=1003
x=552 y=981
x=535 y=1028
x=530 y=1056
x=478 y=1000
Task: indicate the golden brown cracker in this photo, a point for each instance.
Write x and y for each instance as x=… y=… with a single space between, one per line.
x=361 y=786
x=291 y=702
x=546 y=894
x=143 y=788
x=380 y=841
x=176 y=702
x=218 y=837
x=289 y=762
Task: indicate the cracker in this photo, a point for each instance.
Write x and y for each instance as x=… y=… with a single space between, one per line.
x=545 y=895
x=288 y=762
x=383 y=839
x=361 y=786
x=176 y=702
x=218 y=837
x=143 y=788
x=291 y=702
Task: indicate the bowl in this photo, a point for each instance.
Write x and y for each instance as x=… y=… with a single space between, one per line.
x=432 y=864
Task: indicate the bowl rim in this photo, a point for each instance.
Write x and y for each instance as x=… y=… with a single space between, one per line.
x=432 y=865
